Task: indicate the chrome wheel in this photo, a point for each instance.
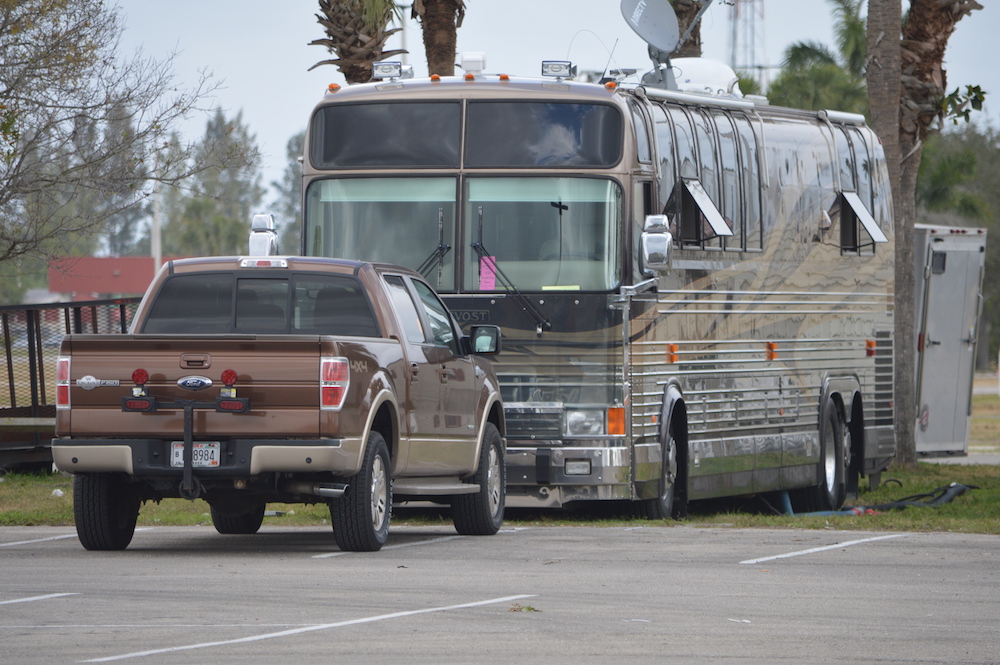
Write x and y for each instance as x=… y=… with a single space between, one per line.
x=379 y=493
x=493 y=481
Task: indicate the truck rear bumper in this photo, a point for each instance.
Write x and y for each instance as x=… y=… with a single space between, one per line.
x=151 y=458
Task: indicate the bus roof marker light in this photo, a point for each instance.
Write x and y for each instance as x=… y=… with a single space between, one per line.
x=560 y=69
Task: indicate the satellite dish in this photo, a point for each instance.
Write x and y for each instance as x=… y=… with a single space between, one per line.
x=654 y=21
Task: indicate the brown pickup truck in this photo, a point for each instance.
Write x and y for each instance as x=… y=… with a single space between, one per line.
x=245 y=381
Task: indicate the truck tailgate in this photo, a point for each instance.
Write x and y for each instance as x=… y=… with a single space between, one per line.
x=278 y=374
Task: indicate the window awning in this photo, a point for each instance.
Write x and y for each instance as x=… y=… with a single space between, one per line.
x=707 y=207
x=865 y=217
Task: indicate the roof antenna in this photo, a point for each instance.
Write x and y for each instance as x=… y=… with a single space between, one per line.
x=611 y=56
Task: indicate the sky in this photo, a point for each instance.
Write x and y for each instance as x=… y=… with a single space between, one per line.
x=260 y=49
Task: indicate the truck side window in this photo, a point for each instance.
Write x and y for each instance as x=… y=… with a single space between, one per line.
x=332 y=305
x=440 y=321
x=405 y=309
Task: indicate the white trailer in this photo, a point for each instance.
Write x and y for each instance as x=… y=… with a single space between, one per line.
x=949 y=277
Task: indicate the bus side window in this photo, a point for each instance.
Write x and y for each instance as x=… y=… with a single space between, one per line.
x=859 y=230
x=708 y=152
x=665 y=149
x=729 y=169
x=687 y=167
x=863 y=161
x=750 y=181
x=642 y=146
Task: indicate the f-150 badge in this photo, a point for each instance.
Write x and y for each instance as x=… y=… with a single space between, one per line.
x=90 y=382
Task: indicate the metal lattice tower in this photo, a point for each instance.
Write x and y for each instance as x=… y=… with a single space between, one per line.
x=747 y=52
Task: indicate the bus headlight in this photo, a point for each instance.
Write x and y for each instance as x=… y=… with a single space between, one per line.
x=584 y=422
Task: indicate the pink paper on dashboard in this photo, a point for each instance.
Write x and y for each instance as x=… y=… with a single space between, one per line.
x=487 y=273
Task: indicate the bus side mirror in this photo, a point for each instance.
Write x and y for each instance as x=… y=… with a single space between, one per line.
x=263 y=236
x=484 y=340
x=655 y=245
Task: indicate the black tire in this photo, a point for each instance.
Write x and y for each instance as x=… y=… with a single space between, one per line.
x=105 y=510
x=481 y=514
x=245 y=522
x=662 y=506
x=361 y=517
x=828 y=493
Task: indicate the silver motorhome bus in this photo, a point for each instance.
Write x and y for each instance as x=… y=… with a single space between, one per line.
x=695 y=289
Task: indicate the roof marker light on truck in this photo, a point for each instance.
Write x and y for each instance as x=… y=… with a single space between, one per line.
x=334 y=379
x=263 y=263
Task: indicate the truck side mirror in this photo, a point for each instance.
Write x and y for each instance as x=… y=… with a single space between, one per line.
x=655 y=245
x=484 y=340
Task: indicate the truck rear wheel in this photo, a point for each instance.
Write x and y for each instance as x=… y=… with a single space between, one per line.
x=361 y=517
x=234 y=523
x=481 y=514
x=105 y=510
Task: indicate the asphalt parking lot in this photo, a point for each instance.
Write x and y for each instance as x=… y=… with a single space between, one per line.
x=676 y=594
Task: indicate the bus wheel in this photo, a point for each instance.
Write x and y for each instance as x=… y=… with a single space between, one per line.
x=361 y=517
x=662 y=506
x=481 y=514
x=828 y=493
x=105 y=510
x=233 y=523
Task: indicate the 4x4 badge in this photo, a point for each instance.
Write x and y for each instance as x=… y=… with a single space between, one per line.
x=194 y=382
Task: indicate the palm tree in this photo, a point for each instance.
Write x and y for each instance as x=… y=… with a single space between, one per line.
x=815 y=77
x=439 y=19
x=687 y=11
x=356 y=33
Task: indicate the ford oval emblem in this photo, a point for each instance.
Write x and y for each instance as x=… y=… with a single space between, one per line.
x=194 y=382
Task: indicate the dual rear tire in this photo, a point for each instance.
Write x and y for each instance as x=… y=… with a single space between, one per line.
x=830 y=490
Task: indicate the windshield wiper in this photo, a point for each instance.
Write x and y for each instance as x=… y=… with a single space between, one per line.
x=437 y=256
x=541 y=323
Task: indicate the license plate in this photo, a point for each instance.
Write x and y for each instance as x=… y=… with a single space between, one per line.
x=203 y=454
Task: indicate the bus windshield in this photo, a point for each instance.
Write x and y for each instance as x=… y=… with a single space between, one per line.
x=532 y=234
x=406 y=221
x=542 y=233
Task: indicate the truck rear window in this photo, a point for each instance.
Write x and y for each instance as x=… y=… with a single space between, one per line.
x=267 y=303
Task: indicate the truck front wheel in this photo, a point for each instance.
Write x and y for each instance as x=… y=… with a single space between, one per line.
x=361 y=517
x=481 y=514
x=105 y=510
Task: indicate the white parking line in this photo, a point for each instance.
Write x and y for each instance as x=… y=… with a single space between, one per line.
x=823 y=549
x=38 y=540
x=392 y=547
x=63 y=537
x=28 y=600
x=297 y=631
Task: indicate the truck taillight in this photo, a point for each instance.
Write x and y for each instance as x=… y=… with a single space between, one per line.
x=62 y=382
x=334 y=378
